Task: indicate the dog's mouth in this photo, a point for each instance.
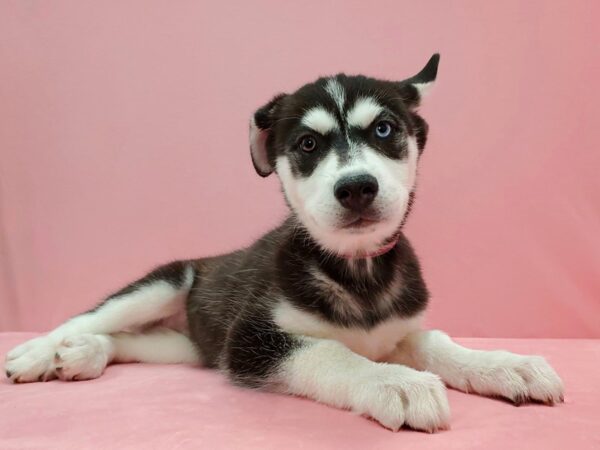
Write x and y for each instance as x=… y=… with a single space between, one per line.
x=361 y=222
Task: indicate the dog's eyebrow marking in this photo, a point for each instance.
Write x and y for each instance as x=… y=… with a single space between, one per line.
x=320 y=120
x=337 y=93
x=364 y=111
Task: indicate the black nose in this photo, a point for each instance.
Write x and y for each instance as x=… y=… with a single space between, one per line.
x=356 y=192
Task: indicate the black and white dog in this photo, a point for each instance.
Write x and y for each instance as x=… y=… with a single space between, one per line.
x=327 y=306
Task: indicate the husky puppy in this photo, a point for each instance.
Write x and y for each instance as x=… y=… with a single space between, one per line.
x=327 y=306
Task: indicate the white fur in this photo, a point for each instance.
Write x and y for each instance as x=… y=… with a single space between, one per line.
x=82 y=346
x=83 y=356
x=500 y=373
x=320 y=120
x=369 y=265
x=424 y=88
x=375 y=344
x=363 y=113
x=313 y=199
x=32 y=361
x=147 y=304
x=159 y=346
x=337 y=93
x=394 y=395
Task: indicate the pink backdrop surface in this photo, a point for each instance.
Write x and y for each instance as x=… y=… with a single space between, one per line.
x=123 y=144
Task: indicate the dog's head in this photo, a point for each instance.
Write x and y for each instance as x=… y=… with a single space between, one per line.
x=346 y=150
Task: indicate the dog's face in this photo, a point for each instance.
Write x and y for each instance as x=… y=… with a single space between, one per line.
x=346 y=150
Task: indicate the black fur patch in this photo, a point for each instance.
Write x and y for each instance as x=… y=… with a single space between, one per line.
x=255 y=349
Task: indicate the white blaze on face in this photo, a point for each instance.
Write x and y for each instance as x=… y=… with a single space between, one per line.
x=336 y=92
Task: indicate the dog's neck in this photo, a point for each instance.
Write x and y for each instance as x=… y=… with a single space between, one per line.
x=343 y=268
x=319 y=280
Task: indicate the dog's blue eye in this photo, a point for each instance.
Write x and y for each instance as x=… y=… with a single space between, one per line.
x=308 y=143
x=383 y=129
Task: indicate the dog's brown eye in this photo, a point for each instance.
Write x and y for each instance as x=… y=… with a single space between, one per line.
x=308 y=143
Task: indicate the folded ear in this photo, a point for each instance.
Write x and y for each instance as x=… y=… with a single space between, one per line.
x=413 y=89
x=260 y=131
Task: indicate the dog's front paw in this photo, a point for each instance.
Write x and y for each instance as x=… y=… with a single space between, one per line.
x=400 y=396
x=31 y=361
x=517 y=378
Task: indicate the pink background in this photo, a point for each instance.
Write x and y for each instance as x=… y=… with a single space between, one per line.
x=123 y=144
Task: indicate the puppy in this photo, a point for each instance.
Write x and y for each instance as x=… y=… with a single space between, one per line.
x=327 y=306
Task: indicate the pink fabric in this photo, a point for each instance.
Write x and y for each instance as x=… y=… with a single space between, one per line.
x=177 y=407
x=123 y=144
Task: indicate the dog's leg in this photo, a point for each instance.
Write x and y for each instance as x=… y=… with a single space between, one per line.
x=260 y=355
x=158 y=295
x=518 y=378
x=85 y=356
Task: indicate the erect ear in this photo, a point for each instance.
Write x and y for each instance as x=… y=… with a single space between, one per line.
x=260 y=130
x=413 y=89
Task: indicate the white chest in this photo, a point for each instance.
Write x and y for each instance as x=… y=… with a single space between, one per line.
x=374 y=344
